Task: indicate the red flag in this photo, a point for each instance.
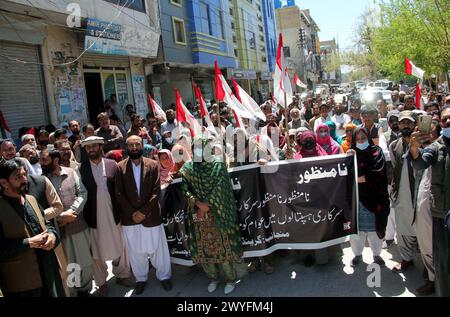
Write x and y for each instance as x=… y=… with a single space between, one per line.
x=236 y=90
x=281 y=81
x=298 y=82
x=203 y=110
x=220 y=92
x=418 y=96
x=411 y=69
x=5 y=131
x=157 y=110
x=201 y=101
x=181 y=115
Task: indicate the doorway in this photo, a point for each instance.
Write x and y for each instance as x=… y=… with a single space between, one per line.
x=94 y=93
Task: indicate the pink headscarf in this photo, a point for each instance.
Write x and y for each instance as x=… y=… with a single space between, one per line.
x=303 y=153
x=164 y=173
x=327 y=143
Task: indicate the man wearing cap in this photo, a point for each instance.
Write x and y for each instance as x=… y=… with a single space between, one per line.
x=437 y=155
x=386 y=140
x=102 y=215
x=368 y=115
x=138 y=191
x=395 y=97
x=403 y=192
x=110 y=133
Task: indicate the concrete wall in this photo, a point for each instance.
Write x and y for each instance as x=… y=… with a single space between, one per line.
x=102 y=10
x=64 y=84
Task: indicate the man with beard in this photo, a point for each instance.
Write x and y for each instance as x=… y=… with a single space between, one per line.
x=9 y=152
x=101 y=213
x=403 y=192
x=74 y=127
x=386 y=140
x=395 y=98
x=138 y=193
x=29 y=153
x=340 y=118
x=67 y=156
x=437 y=155
x=43 y=140
x=170 y=124
x=73 y=227
x=307 y=111
x=297 y=121
x=28 y=139
x=28 y=264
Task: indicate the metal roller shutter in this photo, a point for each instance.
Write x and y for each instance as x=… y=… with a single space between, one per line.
x=22 y=93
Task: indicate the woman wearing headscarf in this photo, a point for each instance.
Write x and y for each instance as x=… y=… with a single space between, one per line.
x=346 y=140
x=332 y=126
x=324 y=139
x=374 y=205
x=307 y=146
x=180 y=156
x=166 y=164
x=214 y=237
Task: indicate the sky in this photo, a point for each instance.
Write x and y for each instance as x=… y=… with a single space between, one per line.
x=336 y=18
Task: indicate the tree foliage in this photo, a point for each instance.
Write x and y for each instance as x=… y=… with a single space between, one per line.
x=417 y=29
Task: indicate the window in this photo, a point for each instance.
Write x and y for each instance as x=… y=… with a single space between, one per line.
x=236 y=53
x=264 y=59
x=231 y=11
x=232 y=25
x=287 y=51
x=234 y=39
x=176 y=2
x=251 y=40
x=205 y=18
x=138 y=5
x=179 y=33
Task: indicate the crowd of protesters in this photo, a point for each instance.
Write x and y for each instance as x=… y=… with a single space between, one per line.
x=88 y=194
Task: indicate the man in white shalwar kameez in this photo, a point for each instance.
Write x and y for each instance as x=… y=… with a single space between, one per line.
x=138 y=192
x=102 y=215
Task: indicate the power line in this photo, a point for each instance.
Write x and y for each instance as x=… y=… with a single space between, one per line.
x=132 y=17
x=13 y=27
x=50 y=19
x=75 y=60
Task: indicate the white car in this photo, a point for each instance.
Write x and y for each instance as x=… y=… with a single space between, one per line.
x=369 y=96
x=338 y=98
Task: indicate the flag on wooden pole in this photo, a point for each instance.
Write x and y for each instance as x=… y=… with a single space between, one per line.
x=411 y=69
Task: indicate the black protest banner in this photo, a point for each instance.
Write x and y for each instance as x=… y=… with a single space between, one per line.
x=307 y=204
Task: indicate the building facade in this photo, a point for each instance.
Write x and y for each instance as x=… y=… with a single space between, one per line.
x=301 y=43
x=328 y=49
x=195 y=33
x=251 y=50
x=69 y=57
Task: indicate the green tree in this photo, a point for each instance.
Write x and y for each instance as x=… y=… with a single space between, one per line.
x=417 y=29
